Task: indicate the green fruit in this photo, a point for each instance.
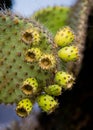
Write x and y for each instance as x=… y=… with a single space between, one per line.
x=33 y=54
x=31 y=36
x=54 y=90
x=24 y=107
x=30 y=86
x=47 y=103
x=47 y=61
x=64 y=37
x=70 y=53
x=64 y=79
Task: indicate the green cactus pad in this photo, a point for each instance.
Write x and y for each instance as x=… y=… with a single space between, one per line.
x=64 y=36
x=17 y=36
x=70 y=53
x=24 y=107
x=64 y=79
x=54 y=90
x=47 y=103
x=53 y=17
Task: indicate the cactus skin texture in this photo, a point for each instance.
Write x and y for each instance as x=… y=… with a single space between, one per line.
x=52 y=17
x=29 y=62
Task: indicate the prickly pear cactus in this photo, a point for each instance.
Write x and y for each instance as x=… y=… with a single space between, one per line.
x=29 y=62
x=53 y=17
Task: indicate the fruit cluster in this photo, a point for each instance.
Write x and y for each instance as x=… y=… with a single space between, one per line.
x=46 y=98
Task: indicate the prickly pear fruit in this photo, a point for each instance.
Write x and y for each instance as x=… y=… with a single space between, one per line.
x=64 y=37
x=64 y=79
x=47 y=61
x=24 y=107
x=70 y=53
x=31 y=36
x=54 y=90
x=47 y=103
x=30 y=86
x=33 y=55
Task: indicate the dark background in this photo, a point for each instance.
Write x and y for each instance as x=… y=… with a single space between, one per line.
x=6 y=4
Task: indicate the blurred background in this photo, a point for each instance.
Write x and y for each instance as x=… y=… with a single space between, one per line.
x=27 y=7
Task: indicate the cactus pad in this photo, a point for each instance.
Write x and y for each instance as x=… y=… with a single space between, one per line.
x=19 y=38
x=53 y=17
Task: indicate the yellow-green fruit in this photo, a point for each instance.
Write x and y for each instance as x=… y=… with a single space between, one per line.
x=32 y=54
x=24 y=107
x=30 y=86
x=70 y=53
x=64 y=37
x=47 y=103
x=64 y=79
x=47 y=61
x=54 y=90
x=31 y=36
